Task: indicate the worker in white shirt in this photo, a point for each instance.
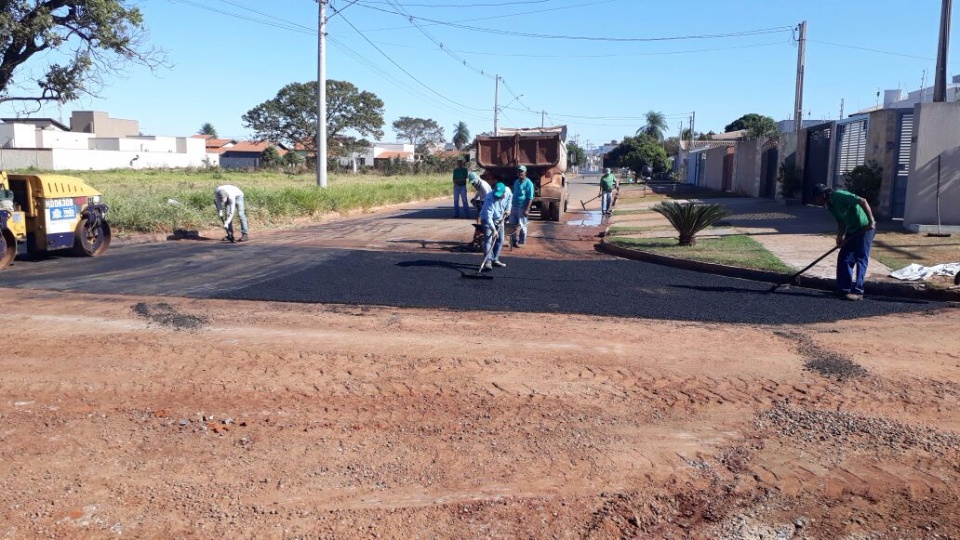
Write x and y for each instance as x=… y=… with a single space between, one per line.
x=229 y=201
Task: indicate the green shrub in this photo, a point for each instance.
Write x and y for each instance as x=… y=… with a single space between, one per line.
x=690 y=218
x=865 y=181
x=790 y=178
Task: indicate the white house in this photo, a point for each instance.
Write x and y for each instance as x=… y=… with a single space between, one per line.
x=94 y=142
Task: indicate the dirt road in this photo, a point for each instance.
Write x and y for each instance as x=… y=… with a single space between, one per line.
x=149 y=417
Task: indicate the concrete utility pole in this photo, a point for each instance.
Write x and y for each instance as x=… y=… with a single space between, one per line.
x=693 y=125
x=496 y=105
x=798 y=99
x=841 y=108
x=940 y=84
x=322 y=97
x=543 y=114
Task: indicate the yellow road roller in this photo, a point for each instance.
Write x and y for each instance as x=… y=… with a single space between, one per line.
x=50 y=212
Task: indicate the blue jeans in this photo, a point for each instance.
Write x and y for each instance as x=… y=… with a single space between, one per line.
x=517 y=218
x=854 y=254
x=241 y=214
x=494 y=237
x=606 y=199
x=460 y=194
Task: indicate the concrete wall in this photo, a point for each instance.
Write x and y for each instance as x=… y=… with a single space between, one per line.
x=713 y=172
x=937 y=132
x=18 y=136
x=63 y=139
x=746 y=168
x=101 y=125
x=882 y=148
x=70 y=159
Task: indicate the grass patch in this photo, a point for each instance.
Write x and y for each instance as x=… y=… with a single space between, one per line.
x=139 y=200
x=737 y=250
x=897 y=249
x=633 y=212
x=623 y=230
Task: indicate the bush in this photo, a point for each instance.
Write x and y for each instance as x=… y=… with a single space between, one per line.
x=865 y=181
x=790 y=178
x=690 y=218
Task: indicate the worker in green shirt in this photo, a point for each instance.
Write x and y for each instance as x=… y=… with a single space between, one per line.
x=460 y=190
x=608 y=182
x=855 y=229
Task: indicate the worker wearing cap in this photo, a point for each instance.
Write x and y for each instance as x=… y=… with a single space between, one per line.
x=855 y=229
x=608 y=183
x=460 y=189
x=523 y=193
x=482 y=188
x=496 y=207
x=229 y=201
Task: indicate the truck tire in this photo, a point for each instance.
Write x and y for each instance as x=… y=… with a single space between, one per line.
x=8 y=248
x=546 y=210
x=555 y=211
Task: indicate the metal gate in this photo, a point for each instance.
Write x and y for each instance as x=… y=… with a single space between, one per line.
x=769 y=158
x=816 y=166
x=898 y=195
x=727 y=180
x=851 y=148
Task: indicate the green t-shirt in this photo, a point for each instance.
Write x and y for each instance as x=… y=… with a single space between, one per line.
x=460 y=176
x=607 y=182
x=845 y=206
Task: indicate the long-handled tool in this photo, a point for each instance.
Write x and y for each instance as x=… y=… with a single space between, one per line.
x=794 y=277
x=486 y=253
x=584 y=204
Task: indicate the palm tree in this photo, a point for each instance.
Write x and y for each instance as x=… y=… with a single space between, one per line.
x=461 y=135
x=655 y=127
x=690 y=218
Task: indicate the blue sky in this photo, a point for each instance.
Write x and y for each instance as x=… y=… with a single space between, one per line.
x=228 y=56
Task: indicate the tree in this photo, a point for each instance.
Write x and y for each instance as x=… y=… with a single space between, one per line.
x=461 y=135
x=655 y=127
x=756 y=125
x=671 y=145
x=575 y=154
x=292 y=159
x=637 y=153
x=208 y=129
x=291 y=117
x=88 y=38
x=421 y=132
x=270 y=157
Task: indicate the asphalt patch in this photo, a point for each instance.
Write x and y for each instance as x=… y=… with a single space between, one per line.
x=166 y=315
x=825 y=362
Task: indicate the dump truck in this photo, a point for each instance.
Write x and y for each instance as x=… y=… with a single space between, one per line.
x=50 y=212
x=542 y=150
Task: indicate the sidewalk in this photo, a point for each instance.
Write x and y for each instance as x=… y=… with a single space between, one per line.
x=795 y=234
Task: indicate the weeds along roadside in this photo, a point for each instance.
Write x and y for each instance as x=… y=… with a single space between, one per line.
x=161 y=201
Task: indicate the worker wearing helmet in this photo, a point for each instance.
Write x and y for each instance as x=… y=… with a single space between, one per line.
x=229 y=202
x=496 y=208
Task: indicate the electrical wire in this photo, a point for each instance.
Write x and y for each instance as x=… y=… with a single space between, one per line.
x=401 y=68
x=870 y=50
x=286 y=25
x=491 y=17
x=501 y=4
x=762 y=31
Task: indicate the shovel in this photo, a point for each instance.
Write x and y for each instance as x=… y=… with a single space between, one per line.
x=793 y=278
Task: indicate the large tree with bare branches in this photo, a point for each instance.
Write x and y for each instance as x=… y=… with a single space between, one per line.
x=58 y=50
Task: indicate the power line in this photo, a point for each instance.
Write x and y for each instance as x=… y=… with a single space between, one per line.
x=474 y=19
x=500 y=4
x=869 y=49
x=401 y=68
x=762 y=31
x=286 y=25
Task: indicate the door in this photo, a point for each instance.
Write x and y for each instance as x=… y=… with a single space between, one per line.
x=768 y=172
x=851 y=148
x=817 y=160
x=727 y=181
x=898 y=195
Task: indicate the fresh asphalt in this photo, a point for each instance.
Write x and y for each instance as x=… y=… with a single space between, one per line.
x=286 y=273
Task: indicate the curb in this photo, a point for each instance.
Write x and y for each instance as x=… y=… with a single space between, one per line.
x=910 y=291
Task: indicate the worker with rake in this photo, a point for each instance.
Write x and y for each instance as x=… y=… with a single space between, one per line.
x=493 y=214
x=608 y=183
x=855 y=229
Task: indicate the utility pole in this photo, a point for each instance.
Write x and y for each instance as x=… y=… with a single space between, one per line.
x=940 y=84
x=543 y=115
x=322 y=97
x=496 y=105
x=841 y=108
x=798 y=99
x=693 y=124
